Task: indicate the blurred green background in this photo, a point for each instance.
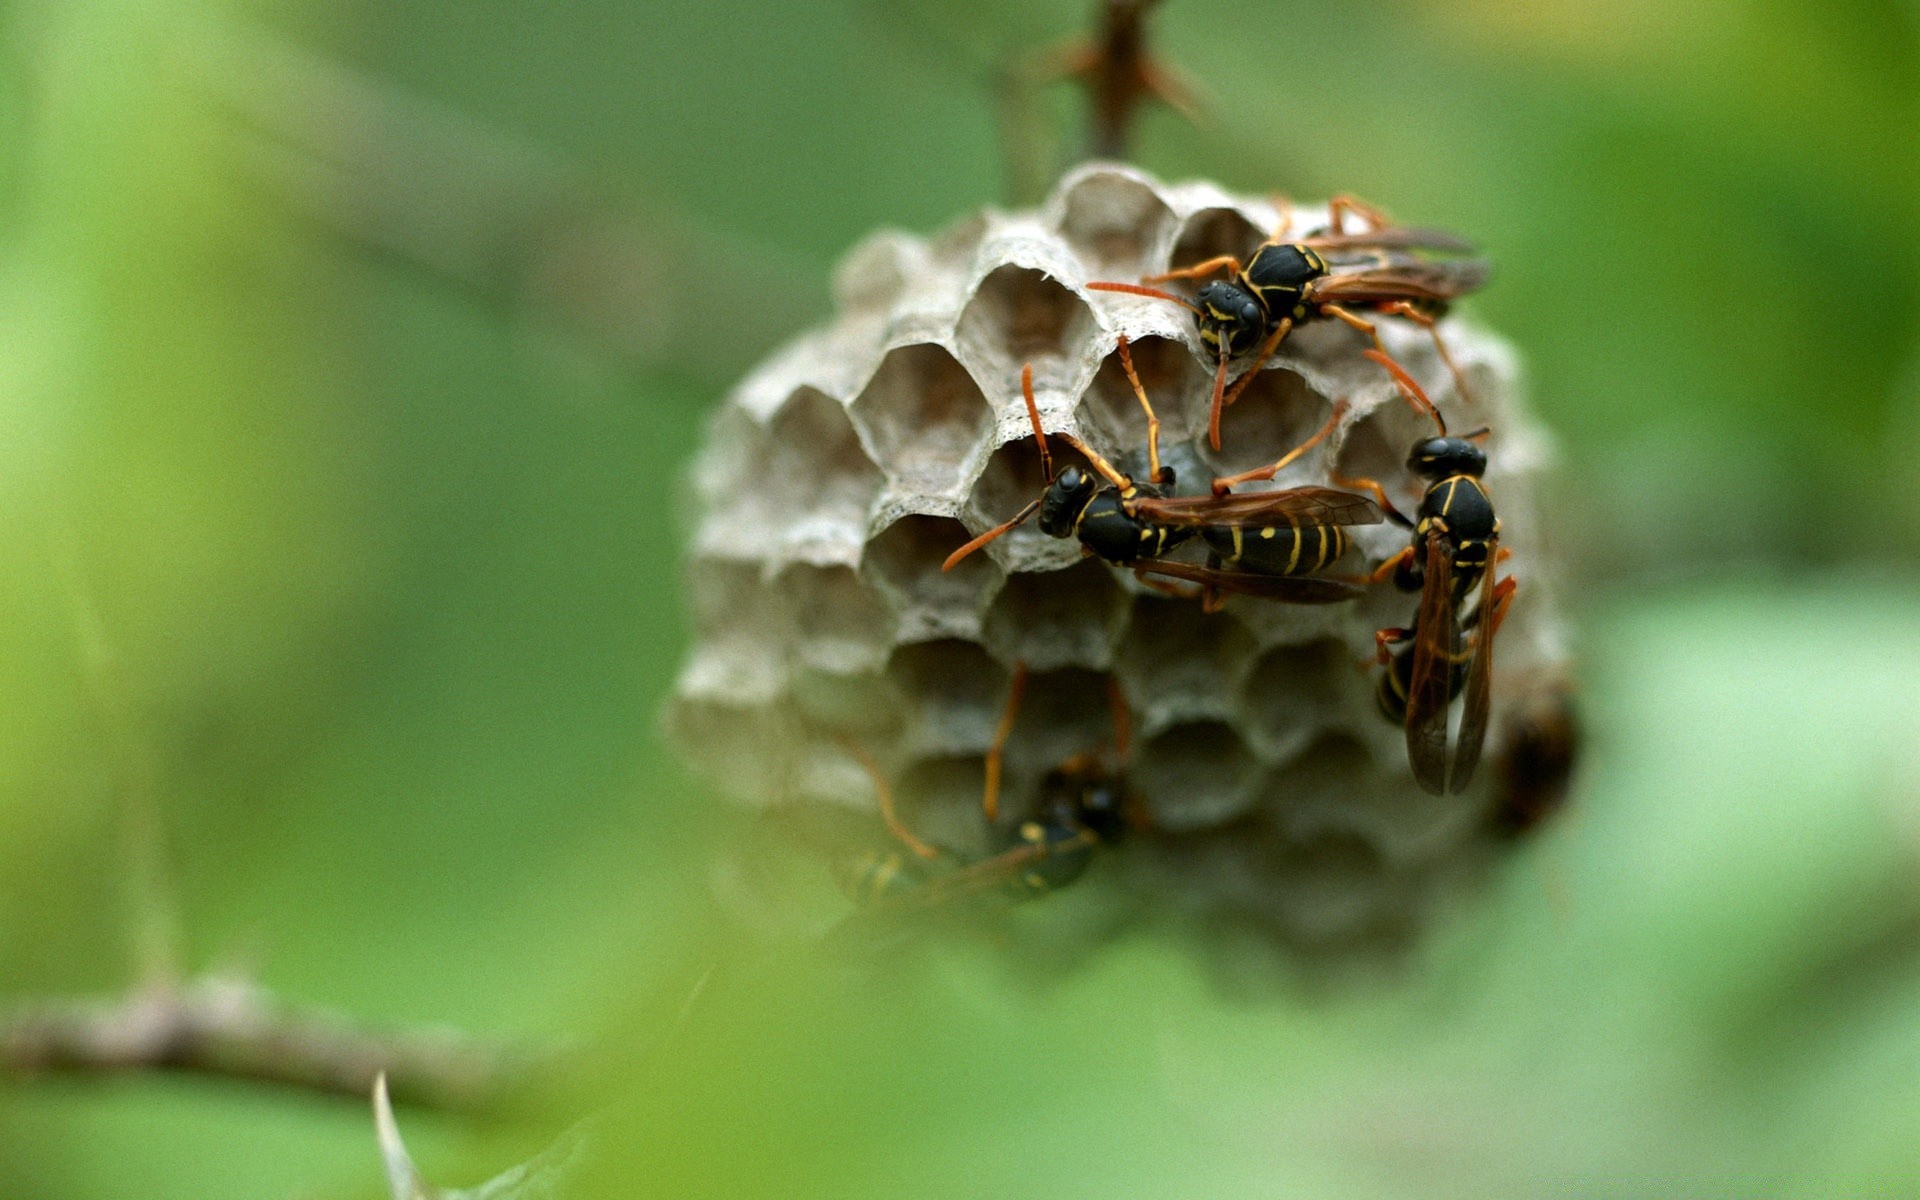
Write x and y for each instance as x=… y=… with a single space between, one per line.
x=349 y=355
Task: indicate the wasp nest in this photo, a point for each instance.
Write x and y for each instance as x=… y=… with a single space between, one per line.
x=840 y=474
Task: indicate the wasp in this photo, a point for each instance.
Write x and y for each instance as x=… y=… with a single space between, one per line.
x=1083 y=805
x=1535 y=767
x=1450 y=562
x=1286 y=283
x=1268 y=543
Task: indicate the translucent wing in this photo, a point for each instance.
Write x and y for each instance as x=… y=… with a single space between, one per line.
x=1393 y=238
x=1436 y=638
x=1473 y=722
x=1437 y=282
x=1296 y=506
x=1293 y=589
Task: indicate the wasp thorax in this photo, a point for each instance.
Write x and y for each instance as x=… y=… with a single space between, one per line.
x=1440 y=457
x=843 y=472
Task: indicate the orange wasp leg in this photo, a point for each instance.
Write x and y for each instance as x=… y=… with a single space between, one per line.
x=888 y=813
x=1224 y=485
x=996 y=753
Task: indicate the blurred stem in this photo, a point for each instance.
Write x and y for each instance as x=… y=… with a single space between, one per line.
x=231 y=1029
x=416 y=183
x=153 y=902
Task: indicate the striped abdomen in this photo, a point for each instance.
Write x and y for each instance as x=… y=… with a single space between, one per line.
x=1278 y=549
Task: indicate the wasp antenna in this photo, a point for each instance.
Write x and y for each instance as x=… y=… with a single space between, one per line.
x=1478 y=434
x=1135 y=289
x=1033 y=415
x=1106 y=470
x=1219 y=396
x=996 y=753
x=953 y=560
x=1415 y=394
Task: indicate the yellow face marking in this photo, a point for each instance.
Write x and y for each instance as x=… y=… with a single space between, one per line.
x=1268 y=532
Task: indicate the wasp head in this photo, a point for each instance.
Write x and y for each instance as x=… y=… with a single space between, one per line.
x=1065 y=497
x=1231 y=318
x=1441 y=457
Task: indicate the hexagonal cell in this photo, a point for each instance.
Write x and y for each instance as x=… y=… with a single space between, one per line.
x=1293 y=691
x=938 y=798
x=1276 y=413
x=951 y=694
x=1063 y=714
x=1326 y=887
x=1375 y=445
x=815 y=458
x=875 y=273
x=726 y=463
x=1194 y=775
x=924 y=417
x=839 y=622
x=746 y=750
x=1113 y=220
x=1212 y=232
x=1178 y=663
x=1173 y=381
x=903 y=563
x=1020 y=315
x=851 y=703
x=731 y=599
x=1336 y=786
x=1052 y=619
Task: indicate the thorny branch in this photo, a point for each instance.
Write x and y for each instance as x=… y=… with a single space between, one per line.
x=232 y=1029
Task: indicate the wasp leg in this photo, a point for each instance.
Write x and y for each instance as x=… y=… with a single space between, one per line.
x=1267 y=350
x=1199 y=269
x=1385 y=638
x=1167 y=587
x=888 y=814
x=990 y=794
x=1401 y=308
x=1283 y=205
x=1153 y=422
x=1341 y=205
x=1385 y=570
x=1222 y=486
x=1379 y=494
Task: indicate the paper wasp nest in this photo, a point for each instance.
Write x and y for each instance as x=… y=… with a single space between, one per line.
x=839 y=475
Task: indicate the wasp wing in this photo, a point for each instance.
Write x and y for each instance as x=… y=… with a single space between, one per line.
x=1473 y=721
x=1293 y=589
x=1395 y=237
x=1436 y=640
x=1292 y=506
x=1435 y=282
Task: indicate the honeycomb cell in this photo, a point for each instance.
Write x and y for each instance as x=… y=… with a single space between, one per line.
x=839 y=621
x=1212 y=232
x=924 y=417
x=1111 y=413
x=842 y=701
x=1375 y=446
x=1021 y=315
x=878 y=271
x=1051 y=619
x=1063 y=715
x=938 y=798
x=1194 y=775
x=1328 y=888
x=1276 y=412
x=1113 y=220
x=816 y=459
x=731 y=601
x=1291 y=690
x=903 y=565
x=951 y=694
x=1178 y=663
x=745 y=749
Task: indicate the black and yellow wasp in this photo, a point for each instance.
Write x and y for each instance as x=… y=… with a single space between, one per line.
x=1286 y=283
x=1083 y=805
x=1450 y=562
x=1262 y=543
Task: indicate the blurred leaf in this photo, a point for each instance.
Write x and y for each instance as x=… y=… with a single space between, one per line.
x=540 y=1178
